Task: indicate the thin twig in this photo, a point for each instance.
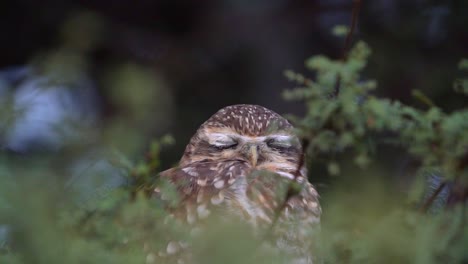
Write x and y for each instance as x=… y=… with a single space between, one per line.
x=422 y=97
x=354 y=19
x=347 y=45
x=431 y=199
x=291 y=192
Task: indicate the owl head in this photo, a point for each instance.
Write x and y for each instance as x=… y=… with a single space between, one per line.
x=249 y=133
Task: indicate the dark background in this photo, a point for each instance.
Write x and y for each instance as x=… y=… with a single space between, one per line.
x=210 y=54
x=87 y=85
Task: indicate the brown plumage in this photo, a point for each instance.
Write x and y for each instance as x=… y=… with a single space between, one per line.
x=239 y=164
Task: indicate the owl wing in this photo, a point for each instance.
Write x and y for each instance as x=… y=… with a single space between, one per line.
x=298 y=226
x=298 y=221
x=269 y=190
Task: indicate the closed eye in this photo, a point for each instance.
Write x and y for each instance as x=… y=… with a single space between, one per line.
x=225 y=146
x=281 y=142
x=220 y=141
x=277 y=144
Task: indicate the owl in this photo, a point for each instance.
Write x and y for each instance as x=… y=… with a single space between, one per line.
x=241 y=164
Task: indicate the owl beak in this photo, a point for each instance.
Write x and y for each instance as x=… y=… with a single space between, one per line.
x=253 y=154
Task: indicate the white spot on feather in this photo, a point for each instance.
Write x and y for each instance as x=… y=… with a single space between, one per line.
x=219 y=184
x=202 y=211
x=191 y=217
x=190 y=171
x=202 y=182
x=172 y=248
x=217 y=199
x=285 y=174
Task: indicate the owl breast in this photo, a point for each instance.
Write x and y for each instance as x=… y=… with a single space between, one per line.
x=236 y=189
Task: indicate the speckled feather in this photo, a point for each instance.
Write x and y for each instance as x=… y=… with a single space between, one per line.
x=223 y=183
x=233 y=188
x=247 y=120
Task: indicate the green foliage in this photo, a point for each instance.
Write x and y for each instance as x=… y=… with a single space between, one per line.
x=364 y=222
x=340 y=30
x=365 y=218
x=346 y=120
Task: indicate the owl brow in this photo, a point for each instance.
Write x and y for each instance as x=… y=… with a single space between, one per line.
x=228 y=137
x=283 y=139
x=221 y=139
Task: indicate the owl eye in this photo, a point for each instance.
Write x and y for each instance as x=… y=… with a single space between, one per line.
x=221 y=142
x=224 y=145
x=280 y=142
